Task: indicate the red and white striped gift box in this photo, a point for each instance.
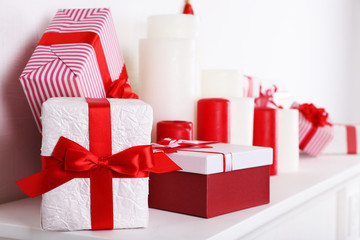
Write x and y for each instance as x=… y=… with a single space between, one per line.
x=315 y=130
x=67 y=61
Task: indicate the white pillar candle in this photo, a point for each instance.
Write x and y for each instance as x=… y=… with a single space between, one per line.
x=173 y=26
x=242 y=121
x=168 y=78
x=288 y=140
x=221 y=83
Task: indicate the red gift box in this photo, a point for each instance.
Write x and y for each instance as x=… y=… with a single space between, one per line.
x=214 y=181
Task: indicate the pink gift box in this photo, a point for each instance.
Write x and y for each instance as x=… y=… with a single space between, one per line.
x=66 y=61
x=315 y=129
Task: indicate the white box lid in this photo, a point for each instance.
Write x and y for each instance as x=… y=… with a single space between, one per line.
x=200 y=160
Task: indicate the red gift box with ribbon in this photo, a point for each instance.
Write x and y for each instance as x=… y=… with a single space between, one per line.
x=217 y=178
x=315 y=128
x=345 y=139
x=96 y=161
x=78 y=56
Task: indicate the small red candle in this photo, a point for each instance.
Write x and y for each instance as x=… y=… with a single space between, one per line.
x=213 y=120
x=265 y=133
x=174 y=129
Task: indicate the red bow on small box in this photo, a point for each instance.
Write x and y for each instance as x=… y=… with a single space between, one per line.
x=317 y=116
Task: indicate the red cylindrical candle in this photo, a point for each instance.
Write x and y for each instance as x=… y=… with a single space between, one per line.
x=265 y=132
x=174 y=129
x=213 y=120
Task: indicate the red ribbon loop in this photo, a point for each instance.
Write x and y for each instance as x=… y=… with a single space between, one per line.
x=317 y=116
x=169 y=145
x=266 y=98
x=120 y=87
x=129 y=161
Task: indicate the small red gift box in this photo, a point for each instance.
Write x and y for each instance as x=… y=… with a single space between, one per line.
x=214 y=181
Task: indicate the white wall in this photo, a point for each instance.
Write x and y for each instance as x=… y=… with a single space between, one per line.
x=304 y=46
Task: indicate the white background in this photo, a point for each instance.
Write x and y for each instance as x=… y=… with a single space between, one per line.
x=308 y=47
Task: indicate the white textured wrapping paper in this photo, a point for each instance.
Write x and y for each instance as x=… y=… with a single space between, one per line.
x=67 y=207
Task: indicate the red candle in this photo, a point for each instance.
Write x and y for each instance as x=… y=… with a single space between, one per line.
x=174 y=129
x=213 y=120
x=265 y=133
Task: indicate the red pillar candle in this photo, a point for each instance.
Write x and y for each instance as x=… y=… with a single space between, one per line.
x=174 y=129
x=213 y=120
x=265 y=132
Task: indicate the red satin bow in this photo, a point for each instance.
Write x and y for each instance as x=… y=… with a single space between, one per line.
x=266 y=99
x=120 y=87
x=70 y=160
x=317 y=116
x=126 y=162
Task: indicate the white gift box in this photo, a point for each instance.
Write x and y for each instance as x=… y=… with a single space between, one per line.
x=210 y=160
x=345 y=140
x=67 y=207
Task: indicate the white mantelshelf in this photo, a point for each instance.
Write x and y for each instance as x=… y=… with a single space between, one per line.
x=21 y=219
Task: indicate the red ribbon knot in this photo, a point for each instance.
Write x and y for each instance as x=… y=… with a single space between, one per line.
x=317 y=116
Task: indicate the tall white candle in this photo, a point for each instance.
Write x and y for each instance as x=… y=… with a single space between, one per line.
x=173 y=26
x=221 y=83
x=288 y=140
x=168 y=78
x=241 y=121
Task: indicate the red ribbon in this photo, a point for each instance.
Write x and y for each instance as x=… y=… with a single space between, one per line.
x=351 y=139
x=69 y=160
x=317 y=116
x=169 y=145
x=266 y=98
x=117 y=89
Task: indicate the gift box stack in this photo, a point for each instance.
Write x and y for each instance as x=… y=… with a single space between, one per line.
x=85 y=182
x=96 y=152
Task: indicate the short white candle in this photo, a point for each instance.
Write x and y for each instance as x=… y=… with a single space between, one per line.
x=173 y=26
x=221 y=83
x=288 y=140
x=242 y=121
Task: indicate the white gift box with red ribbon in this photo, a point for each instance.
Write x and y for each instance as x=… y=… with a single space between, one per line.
x=219 y=157
x=345 y=140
